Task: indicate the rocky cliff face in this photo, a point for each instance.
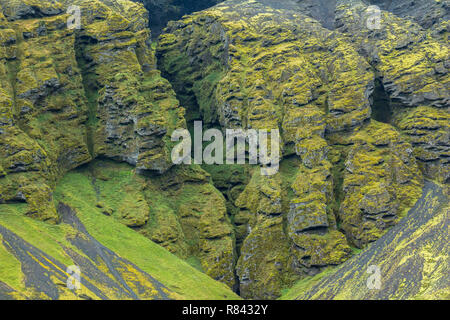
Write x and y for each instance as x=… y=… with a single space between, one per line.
x=162 y=11
x=362 y=111
x=69 y=96
x=76 y=95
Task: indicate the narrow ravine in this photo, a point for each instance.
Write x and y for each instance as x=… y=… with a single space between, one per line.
x=90 y=88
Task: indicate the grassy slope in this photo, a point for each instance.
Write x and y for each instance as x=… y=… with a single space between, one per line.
x=76 y=190
x=304 y=284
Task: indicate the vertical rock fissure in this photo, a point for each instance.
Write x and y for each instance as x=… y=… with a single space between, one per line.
x=184 y=90
x=90 y=89
x=161 y=12
x=13 y=69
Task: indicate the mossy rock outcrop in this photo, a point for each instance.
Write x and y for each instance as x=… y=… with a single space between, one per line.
x=412 y=64
x=181 y=211
x=71 y=95
x=43 y=107
x=408 y=262
x=429 y=14
x=380 y=181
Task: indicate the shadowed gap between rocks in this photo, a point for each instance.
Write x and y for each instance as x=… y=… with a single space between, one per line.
x=381 y=104
x=90 y=89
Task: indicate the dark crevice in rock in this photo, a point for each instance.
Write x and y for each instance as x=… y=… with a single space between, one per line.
x=163 y=11
x=319 y=230
x=381 y=103
x=232 y=210
x=13 y=66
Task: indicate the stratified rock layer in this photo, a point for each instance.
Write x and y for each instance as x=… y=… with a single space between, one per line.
x=43 y=108
x=71 y=95
x=413 y=67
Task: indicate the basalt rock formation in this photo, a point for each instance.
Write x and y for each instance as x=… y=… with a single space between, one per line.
x=359 y=94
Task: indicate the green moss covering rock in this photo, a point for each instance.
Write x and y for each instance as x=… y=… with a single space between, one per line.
x=412 y=260
x=381 y=180
x=248 y=64
x=413 y=66
x=43 y=108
